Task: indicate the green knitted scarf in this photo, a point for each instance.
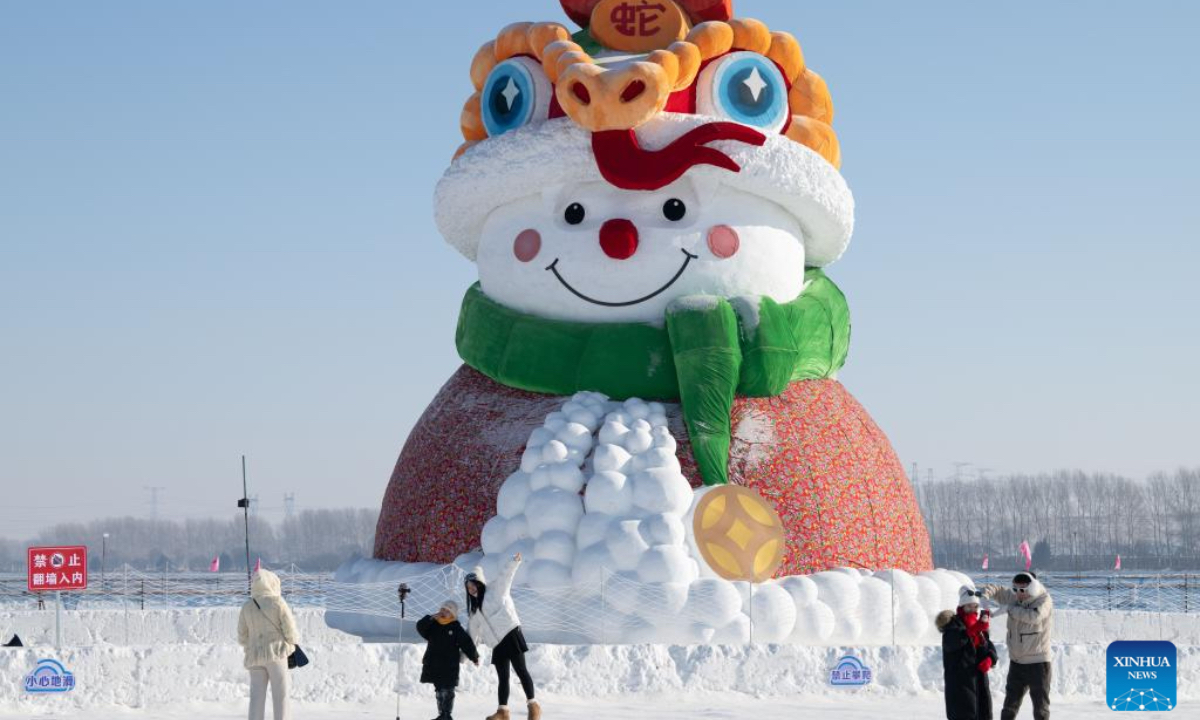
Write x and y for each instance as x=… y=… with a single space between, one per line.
x=710 y=350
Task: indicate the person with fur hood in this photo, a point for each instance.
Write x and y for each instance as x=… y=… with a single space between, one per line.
x=447 y=644
x=493 y=621
x=1030 y=624
x=267 y=632
x=967 y=656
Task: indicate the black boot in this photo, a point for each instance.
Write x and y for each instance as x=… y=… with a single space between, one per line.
x=441 y=703
x=445 y=703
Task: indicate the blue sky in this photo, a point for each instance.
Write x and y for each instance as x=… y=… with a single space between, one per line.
x=216 y=238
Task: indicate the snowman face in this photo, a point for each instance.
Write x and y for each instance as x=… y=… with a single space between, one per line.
x=591 y=252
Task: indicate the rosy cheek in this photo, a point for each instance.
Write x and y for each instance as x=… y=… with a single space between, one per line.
x=527 y=245
x=724 y=241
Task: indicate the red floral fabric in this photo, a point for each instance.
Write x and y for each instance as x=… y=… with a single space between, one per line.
x=813 y=451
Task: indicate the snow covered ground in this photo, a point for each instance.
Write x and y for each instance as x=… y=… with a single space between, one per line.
x=716 y=706
x=183 y=664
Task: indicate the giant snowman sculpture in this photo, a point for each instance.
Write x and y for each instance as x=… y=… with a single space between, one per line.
x=650 y=386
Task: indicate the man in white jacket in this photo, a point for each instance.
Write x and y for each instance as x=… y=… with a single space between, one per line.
x=267 y=632
x=1030 y=624
x=493 y=621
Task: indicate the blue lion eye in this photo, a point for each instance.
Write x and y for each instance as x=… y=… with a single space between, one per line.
x=744 y=87
x=517 y=92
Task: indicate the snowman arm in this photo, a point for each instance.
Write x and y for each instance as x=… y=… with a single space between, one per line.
x=770 y=348
x=704 y=343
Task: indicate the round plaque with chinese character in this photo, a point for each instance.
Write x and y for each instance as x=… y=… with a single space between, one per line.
x=638 y=25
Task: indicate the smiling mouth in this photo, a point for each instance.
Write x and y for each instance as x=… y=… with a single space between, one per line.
x=688 y=258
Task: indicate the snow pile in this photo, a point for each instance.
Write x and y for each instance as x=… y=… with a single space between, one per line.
x=828 y=609
x=350 y=676
x=631 y=519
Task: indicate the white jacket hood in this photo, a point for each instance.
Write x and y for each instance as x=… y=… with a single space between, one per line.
x=265 y=584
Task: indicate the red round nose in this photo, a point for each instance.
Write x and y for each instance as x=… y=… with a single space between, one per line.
x=619 y=238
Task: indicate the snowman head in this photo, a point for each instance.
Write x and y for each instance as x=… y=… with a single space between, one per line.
x=696 y=161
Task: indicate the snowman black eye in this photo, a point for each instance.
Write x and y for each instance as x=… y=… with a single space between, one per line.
x=574 y=214
x=674 y=210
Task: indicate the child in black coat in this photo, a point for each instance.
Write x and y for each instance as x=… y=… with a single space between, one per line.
x=967 y=657
x=448 y=642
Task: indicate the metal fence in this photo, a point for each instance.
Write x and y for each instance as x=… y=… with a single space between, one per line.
x=129 y=588
x=618 y=610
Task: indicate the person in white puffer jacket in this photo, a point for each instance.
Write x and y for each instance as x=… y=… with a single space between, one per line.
x=493 y=621
x=267 y=632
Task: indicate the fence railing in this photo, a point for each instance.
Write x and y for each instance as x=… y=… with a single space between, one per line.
x=129 y=588
x=615 y=609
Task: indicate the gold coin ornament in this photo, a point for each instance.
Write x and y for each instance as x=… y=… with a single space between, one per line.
x=739 y=534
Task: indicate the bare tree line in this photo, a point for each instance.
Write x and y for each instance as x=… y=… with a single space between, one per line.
x=1074 y=520
x=311 y=539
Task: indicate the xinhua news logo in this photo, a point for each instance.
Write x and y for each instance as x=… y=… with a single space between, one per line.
x=1142 y=676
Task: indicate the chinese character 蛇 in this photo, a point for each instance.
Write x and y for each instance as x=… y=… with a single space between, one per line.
x=631 y=20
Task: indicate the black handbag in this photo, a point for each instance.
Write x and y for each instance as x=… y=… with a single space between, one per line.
x=297 y=659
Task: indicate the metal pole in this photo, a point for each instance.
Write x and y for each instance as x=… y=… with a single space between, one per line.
x=58 y=620
x=1158 y=579
x=246 y=517
x=892 y=584
x=125 y=599
x=603 y=607
x=402 y=591
x=751 y=613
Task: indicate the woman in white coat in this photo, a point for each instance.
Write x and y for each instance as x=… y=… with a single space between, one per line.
x=267 y=632
x=493 y=621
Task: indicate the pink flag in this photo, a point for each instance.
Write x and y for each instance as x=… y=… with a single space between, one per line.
x=985 y=562
x=1025 y=553
x=258 y=565
x=1118 y=567
x=215 y=565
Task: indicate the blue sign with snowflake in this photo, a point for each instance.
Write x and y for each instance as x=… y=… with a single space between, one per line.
x=1142 y=676
x=850 y=671
x=49 y=677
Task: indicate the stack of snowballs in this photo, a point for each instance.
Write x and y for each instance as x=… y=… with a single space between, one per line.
x=601 y=506
x=630 y=517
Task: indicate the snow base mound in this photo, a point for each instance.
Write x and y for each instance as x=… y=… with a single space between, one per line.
x=168 y=676
x=828 y=609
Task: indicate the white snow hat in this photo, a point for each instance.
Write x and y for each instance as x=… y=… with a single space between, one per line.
x=450 y=605
x=476 y=574
x=522 y=162
x=969 y=596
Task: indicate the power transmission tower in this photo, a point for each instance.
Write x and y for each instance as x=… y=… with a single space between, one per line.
x=154 y=491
